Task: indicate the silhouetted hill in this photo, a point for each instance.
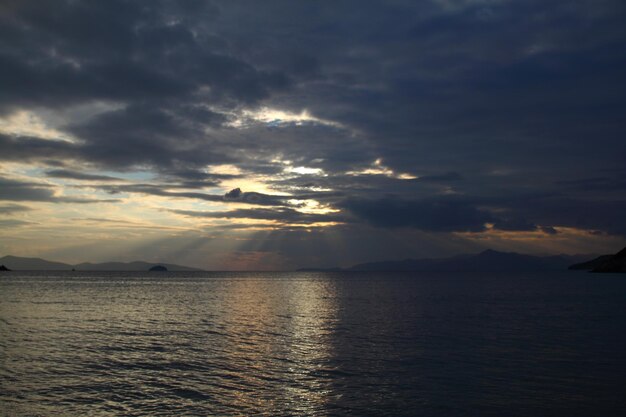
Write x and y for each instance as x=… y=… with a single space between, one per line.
x=489 y=260
x=589 y=265
x=33 y=264
x=615 y=264
x=605 y=263
x=4 y=268
x=38 y=264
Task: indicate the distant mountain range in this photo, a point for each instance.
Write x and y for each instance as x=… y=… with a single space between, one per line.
x=489 y=260
x=37 y=264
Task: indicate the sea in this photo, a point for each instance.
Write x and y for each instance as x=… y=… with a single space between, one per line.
x=312 y=344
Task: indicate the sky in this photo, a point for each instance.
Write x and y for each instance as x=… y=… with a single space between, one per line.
x=239 y=135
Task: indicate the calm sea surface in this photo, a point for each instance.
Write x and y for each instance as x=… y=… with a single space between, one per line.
x=363 y=344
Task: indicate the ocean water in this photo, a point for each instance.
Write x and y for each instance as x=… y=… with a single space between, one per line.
x=309 y=344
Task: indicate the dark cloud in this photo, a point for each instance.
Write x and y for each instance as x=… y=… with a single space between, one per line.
x=193 y=175
x=24 y=149
x=81 y=176
x=448 y=176
x=515 y=225
x=283 y=215
x=549 y=230
x=161 y=190
x=53 y=163
x=233 y=196
x=144 y=135
x=238 y=196
x=160 y=75
x=13 y=208
x=605 y=215
x=435 y=216
x=234 y=193
x=182 y=179
x=517 y=108
x=522 y=225
x=14 y=223
x=597 y=233
x=189 y=178
x=16 y=190
x=596 y=184
x=64 y=53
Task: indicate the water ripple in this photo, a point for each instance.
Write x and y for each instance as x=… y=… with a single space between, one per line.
x=311 y=344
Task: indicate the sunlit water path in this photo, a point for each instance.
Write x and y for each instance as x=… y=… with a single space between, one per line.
x=312 y=344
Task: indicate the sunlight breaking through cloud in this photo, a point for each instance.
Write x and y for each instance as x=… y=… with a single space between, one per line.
x=213 y=118
x=305 y=170
x=277 y=118
x=377 y=168
x=28 y=123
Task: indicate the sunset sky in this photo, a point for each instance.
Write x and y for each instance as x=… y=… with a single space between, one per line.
x=283 y=134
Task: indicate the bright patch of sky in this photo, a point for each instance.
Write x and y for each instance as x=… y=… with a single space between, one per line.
x=276 y=118
x=27 y=123
x=377 y=168
x=226 y=169
x=312 y=207
x=304 y=170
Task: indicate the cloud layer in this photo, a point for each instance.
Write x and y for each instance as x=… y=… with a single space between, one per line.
x=448 y=118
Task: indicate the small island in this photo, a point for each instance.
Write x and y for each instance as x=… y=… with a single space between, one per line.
x=4 y=268
x=158 y=268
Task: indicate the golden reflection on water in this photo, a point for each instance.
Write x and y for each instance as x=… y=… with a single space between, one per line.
x=285 y=327
x=310 y=344
x=255 y=343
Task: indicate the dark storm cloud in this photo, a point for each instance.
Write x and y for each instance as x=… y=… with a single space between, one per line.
x=492 y=101
x=81 y=176
x=448 y=176
x=187 y=185
x=283 y=215
x=237 y=196
x=549 y=230
x=65 y=52
x=188 y=178
x=156 y=59
x=606 y=215
x=479 y=82
x=234 y=193
x=191 y=175
x=161 y=190
x=24 y=149
x=436 y=216
x=596 y=184
x=233 y=196
x=515 y=225
x=13 y=208
x=144 y=135
x=363 y=185
x=15 y=190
